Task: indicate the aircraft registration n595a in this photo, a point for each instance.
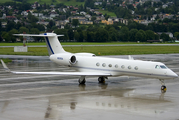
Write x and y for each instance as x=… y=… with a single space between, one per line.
x=87 y=64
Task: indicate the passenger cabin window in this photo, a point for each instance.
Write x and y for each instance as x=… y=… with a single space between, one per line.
x=136 y=68
x=129 y=67
x=116 y=66
x=104 y=65
x=110 y=65
x=97 y=64
x=122 y=66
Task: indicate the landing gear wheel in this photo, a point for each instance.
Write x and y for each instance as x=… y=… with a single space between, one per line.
x=163 y=88
x=82 y=82
x=101 y=80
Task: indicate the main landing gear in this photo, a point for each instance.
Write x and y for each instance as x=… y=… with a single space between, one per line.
x=163 y=87
x=82 y=80
x=102 y=79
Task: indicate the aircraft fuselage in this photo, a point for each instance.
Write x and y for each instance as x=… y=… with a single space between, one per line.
x=115 y=66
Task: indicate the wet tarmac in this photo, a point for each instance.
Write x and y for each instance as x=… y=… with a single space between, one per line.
x=52 y=97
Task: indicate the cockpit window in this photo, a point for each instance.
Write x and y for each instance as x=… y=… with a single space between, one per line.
x=160 y=67
x=157 y=67
x=163 y=67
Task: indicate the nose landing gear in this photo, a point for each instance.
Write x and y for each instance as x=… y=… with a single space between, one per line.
x=82 y=80
x=163 y=87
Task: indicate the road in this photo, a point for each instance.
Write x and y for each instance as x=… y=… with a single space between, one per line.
x=52 y=97
x=104 y=45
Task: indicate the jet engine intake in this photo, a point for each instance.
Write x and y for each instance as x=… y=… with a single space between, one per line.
x=73 y=60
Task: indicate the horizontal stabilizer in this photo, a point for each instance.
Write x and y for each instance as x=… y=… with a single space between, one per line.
x=39 y=35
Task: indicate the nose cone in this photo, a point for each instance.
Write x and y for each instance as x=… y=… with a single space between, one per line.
x=176 y=76
x=172 y=74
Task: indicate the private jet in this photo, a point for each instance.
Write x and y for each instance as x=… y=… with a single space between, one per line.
x=88 y=64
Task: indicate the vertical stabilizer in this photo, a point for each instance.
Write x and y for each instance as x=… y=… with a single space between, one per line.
x=53 y=44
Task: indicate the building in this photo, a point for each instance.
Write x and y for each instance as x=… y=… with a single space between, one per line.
x=86 y=22
x=77 y=17
x=168 y=33
x=100 y=18
x=107 y=22
x=60 y=23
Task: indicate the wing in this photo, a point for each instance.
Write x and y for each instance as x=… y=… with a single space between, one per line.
x=57 y=73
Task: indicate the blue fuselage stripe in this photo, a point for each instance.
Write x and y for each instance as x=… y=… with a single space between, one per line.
x=48 y=43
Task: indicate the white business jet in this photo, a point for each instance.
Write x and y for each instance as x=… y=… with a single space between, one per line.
x=87 y=64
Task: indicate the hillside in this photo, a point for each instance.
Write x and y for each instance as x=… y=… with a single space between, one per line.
x=68 y=3
x=3 y=1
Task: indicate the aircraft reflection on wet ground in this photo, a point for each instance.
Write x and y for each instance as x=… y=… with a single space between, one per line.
x=52 y=97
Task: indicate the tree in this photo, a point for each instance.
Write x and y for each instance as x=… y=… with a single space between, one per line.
x=143 y=35
x=75 y=22
x=77 y=36
x=164 y=1
x=6 y=36
x=165 y=37
x=10 y=25
x=150 y=35
x=34 y=31
x=132 y=25
x=112 y=34
x=51 y=24
x=90 y=36
x=39 y=27
x=62 y=32
x=124 y=33
x=149 y=12
x=81 y=37
x=176 y=34
x=132 y=34
x=1 y=39
x=138 y=36
x=70 y=34
x=23 y=29
x=0 y=27
x=101 y=35
x=11 y=32
x=93 y=18
x=32 y=18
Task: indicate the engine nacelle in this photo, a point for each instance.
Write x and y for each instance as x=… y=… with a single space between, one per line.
x=86 y=54
x=73 y=60
x=64 y=59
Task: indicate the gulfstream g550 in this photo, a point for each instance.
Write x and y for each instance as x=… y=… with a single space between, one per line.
x=87 y=64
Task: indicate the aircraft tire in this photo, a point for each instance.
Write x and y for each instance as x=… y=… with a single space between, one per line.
x=101 y=80
x=163 y=88
x=82 y=82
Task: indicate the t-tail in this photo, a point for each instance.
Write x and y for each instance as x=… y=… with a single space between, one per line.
x=52 y=42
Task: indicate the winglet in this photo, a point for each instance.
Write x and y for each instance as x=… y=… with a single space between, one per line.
x=5 y=67
x=130 y=57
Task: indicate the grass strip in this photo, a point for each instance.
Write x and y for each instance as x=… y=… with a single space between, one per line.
x=98 y=50
x=6 y=60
